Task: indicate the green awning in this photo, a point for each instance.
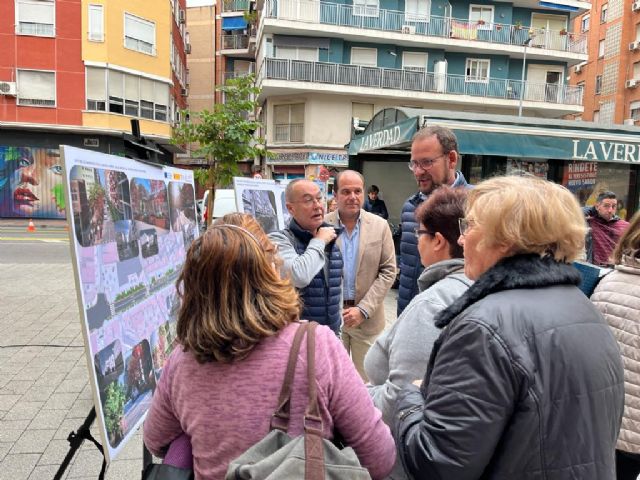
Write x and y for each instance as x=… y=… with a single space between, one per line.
x=507 y=136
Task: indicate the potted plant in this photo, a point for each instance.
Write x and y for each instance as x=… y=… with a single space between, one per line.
x=563 y=31
x=480 y=22
x=518 y=25
x=498 y=27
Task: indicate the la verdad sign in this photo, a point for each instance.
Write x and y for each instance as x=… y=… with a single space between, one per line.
x=382 y=138
x=606 y=151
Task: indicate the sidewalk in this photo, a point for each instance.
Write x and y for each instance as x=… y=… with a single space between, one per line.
x=44 y=391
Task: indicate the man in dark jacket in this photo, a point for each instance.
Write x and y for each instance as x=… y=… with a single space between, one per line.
x=434 y=154
x=375 y=205
x=605 y=229
x=310 y=255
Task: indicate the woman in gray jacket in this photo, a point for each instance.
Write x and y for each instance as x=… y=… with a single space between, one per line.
x=400 y=355
x=617 y=296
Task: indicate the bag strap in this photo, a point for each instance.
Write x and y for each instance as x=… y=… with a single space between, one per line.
x=284 y=400
x=313 y=446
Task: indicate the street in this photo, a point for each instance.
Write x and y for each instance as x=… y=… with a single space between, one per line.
x=45 y=245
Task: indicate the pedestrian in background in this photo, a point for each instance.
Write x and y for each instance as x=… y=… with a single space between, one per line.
x=434 y=155
x=617 y=296
x=401 y=354
x=235 y=327
x=374 y=204
x=369 y=267
x=605 y=229
x=526 y=380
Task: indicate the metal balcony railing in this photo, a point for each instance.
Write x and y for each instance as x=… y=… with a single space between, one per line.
x=235 y=5
x=289 y=133
x=236 y=74
x=315 y=11
x=235 y=42
x=394 y=79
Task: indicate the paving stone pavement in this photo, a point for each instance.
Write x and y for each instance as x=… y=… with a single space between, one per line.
x=44 y=391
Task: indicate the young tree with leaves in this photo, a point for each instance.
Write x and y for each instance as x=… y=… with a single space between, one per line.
x=226 y=135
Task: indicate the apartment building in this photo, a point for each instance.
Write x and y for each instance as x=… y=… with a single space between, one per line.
x=611 y=75
x=76 y=72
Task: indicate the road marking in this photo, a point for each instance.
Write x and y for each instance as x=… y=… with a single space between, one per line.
x=30 y=239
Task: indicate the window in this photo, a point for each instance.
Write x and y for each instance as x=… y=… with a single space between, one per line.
x=366 y=8
x=414 y=61
x=477 y=70
x=482 y=15
x=139 y=34
x=367 y=57
x=362 y=111
x=96 y=23
x=297 y=53
x=598 y=84
x=634 y=107
x=636 y=70
x=36 y=17
x=96 y=89
x=417 y=10
x=601 y=49
x=638 y=32
x=36 y=88
x=146 y=98
x=596 y=116
x=288 y=123
x=580 y=84
x=131 y=95
x=584 y=25
x=603 y=13
x=115 y=85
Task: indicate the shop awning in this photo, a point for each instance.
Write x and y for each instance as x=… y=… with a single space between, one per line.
x=507 y=136
x=234 y=23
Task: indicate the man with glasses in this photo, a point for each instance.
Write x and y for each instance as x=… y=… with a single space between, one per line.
x=434 y=154
x=310 y=255
x=605 y=229
x=369 y=266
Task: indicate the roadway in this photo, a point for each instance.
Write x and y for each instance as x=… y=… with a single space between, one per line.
x=45 y=245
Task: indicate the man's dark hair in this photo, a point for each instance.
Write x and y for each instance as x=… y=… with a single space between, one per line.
x=446 y=138
x=606 y=195
x=440 y=213
x=373 y=189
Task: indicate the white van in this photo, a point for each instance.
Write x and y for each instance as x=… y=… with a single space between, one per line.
x=223 y=203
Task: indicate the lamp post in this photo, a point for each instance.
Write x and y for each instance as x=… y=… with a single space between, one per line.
x=524 y=66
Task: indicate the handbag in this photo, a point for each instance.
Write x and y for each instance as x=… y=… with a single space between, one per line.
x=308 y=456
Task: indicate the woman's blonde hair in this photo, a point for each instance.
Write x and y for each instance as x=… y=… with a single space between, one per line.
x=249 y=223
x=529 y=214
x=232 y=296
x=628 y=248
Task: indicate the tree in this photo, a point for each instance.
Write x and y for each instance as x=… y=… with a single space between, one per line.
x=225 y=135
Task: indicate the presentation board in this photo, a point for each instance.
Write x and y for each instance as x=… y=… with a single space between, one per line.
x=264 y=199
x=130 y=227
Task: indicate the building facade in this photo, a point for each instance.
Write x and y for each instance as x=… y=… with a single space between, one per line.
x=77 y=72
x=611 y=75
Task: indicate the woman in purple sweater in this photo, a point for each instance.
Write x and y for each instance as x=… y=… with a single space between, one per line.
x=235 y=326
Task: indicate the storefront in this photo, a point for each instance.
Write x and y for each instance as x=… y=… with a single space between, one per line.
x=585 y=157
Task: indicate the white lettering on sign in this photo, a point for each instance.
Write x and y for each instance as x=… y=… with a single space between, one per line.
x=613 y=151
x=380 y=139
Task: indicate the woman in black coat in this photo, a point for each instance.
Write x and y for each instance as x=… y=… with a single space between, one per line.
x=525 y=381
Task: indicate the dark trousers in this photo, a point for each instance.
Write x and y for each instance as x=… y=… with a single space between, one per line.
x=627 y=465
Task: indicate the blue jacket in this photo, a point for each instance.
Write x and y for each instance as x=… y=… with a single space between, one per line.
x=322 y=297
x=410 y=266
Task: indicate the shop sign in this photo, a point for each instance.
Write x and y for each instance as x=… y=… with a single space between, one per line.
x=315 y=158
x=606 y=151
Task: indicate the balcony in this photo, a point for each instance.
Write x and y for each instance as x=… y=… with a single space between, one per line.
x=453 y=86
x=414 y=27
x=237 y=74
x=235 y=5
x=235 y=42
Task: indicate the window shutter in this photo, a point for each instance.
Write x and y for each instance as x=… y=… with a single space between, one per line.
x=96 y=23
x=96 y=87
x=36 y=85
x=132 y=88
x=36 y=12
x=116 y=87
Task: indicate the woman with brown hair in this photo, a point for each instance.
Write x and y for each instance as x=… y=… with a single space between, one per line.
x=235 y=326
x=617 y=296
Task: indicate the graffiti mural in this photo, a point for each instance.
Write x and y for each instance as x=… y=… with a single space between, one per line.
x=31 y=183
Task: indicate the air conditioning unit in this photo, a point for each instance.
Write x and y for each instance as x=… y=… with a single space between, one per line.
x=578 y=68
x=8 y=88
x=182 y=16
x=410 y=29
x=634 y=45
x=187 y=48
x=629 y=121
x=184 y=92
x=635 y=6
x=633 y=83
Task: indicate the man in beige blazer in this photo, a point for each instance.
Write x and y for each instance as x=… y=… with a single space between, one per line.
x=369 y=266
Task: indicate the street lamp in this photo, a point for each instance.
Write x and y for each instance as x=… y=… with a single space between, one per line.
x=524 y=66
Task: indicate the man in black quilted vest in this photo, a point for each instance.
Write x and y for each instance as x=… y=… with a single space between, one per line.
x=434 y=154
x=310 y=255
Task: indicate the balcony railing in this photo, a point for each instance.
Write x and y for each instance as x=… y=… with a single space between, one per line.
x=288 y=133
x=235 y=5
x=314 y=11
x=237 y=74
x=235 y=42
x=394 y=79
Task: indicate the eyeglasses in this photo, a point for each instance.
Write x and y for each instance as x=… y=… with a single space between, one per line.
x=465 y=224
x=423 y=164
x=419 y=232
